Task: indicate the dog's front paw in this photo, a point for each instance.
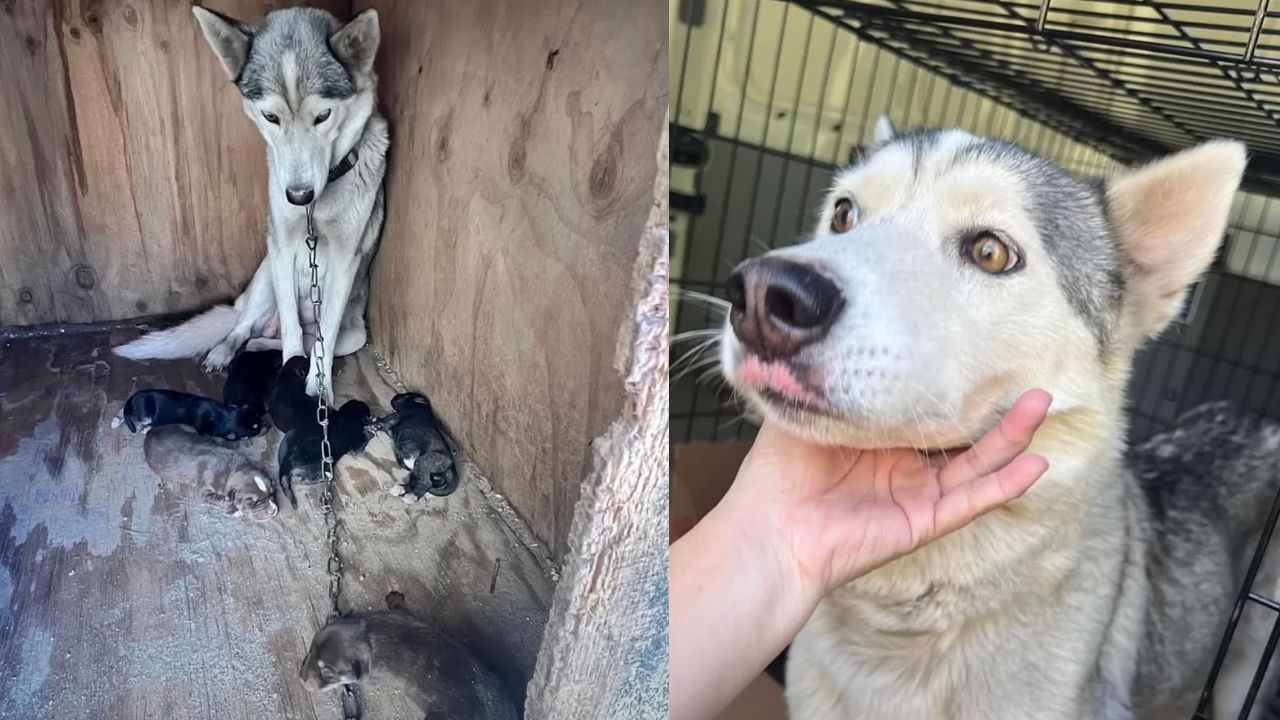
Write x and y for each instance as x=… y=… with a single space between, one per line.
x=219 y=357
x=398 y=490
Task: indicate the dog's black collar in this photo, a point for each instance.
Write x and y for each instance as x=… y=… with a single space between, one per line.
x=345 y=166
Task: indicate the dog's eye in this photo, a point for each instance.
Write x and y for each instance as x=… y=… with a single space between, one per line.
x=321 y=117
x=845 y=217
x=991 y=254
x=271 y=118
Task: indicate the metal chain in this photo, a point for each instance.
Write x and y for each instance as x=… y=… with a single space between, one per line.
x=350 y=701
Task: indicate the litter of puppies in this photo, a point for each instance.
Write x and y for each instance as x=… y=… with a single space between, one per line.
x=197 y=444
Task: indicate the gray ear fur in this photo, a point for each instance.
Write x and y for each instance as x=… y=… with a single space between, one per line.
x=884 y=131
x=356 y=44
x=229 y=38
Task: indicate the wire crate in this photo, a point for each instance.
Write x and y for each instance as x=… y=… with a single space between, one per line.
x=771 y=97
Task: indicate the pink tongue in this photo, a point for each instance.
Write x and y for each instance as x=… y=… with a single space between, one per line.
x=775 y=376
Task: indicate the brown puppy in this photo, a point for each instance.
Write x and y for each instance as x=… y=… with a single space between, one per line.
x=433 y=669
x=225 y=477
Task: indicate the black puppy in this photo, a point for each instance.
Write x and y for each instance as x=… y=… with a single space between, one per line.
x=420 y=447
x=147 y=409
x=299 y=453
x=290 y=405
x=249 y=380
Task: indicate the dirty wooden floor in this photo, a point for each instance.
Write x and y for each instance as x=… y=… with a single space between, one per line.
x=125 y=597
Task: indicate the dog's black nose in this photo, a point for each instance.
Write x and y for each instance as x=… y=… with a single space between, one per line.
x=779 y=306
x=300 y=194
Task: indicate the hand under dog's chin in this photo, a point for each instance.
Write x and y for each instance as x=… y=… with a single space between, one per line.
x=835 y=428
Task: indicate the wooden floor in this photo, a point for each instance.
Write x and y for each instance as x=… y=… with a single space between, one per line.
x=124 y=597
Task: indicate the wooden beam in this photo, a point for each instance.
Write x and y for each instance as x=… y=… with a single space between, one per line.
x=604 y=652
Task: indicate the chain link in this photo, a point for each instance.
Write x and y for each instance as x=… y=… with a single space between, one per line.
x=350 y=700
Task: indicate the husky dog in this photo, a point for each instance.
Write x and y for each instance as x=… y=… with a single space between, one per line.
x=946 y=275
x=397 y=649
x=307 y=83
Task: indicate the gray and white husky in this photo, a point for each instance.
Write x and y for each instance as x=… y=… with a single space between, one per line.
x=946 y=275
x=308 y=85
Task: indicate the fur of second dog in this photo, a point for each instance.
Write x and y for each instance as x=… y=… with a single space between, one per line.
x=224 y=477
x=397 y=649
x=947 y=274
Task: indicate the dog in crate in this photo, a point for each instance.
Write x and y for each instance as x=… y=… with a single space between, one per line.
x=307 y=83
x=946 y=275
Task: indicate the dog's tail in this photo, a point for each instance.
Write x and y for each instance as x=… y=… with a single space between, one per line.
x=192 y=338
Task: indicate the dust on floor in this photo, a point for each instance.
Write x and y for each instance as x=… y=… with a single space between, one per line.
x=122 y=596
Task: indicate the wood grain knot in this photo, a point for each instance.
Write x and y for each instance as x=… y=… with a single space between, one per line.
x=604 y=172
x=202 y=282
x=31 y=44
x=25 y=296
x=516 y=155
x=84 y=277
x=442 y=138
x=74 y=33
x=551 y=59
x=93 y=21
x=130 y=16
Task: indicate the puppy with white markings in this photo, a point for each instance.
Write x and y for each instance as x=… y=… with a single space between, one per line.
x=224 y=477
x=946 y=275
x=307 y=83
x=147 y=409
x=396 y=649
x=420 y=448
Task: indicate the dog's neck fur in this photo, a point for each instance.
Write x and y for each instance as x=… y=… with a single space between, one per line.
x=1028 y=546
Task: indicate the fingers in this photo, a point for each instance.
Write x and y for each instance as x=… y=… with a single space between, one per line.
x=962 y=504
x=1001 y=445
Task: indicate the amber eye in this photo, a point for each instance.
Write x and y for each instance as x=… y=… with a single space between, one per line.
x=845 y=217
x=992 y=255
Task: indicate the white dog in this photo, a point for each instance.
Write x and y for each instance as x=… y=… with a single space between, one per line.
x=308 y=84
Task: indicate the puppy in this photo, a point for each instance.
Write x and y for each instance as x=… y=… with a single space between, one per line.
x=148 y=409
x=249 y=380
x=420 y=448
x=299 y=453
x=433 y=669
x=225 y=477
x=290 y=406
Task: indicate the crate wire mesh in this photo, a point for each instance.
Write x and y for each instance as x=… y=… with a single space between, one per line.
x=771 y=97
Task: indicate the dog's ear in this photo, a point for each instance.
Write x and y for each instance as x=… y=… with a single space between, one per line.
x=1169 y=217
x=884 y=131
x=229 y=38
x=356 y=44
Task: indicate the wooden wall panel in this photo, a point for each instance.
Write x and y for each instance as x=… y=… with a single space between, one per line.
x=130 y=181
x=521 y=175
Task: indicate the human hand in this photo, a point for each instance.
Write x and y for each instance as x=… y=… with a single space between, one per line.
x=834 y=513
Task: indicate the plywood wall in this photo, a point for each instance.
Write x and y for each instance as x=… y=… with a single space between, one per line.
x=521 y=175
x=130 y=181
